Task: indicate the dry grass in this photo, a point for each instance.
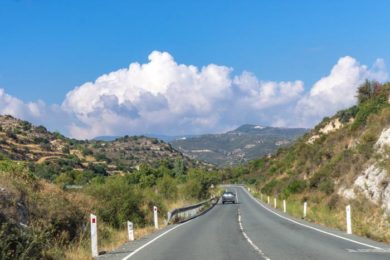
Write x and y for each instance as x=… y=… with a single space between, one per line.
x=110 y=238
x=367 y=219
x=179 y=203
x=115 y=238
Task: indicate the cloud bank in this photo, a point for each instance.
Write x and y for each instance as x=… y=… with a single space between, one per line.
x=337 y=90
x=162 y=96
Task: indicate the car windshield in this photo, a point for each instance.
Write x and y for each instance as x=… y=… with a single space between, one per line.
x=229 y=193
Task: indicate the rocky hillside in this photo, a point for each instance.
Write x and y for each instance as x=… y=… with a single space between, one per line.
x=240 y=145
x=51 y=154
x=344 y=160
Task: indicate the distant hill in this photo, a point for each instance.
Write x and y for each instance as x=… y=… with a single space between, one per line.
x=50 y=154
x=165 y=138
x=107 y=138
x=245 y=143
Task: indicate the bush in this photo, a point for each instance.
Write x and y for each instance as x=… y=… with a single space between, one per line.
x=297 y=186
x=26 y=125
x=102 y=157
x=199 y=182
x=366 y=109
x=346 y=115
x=17 y=242
x=268 y=188
x=11 y=134
x=117 y=201
x=327 y=186
x=97 y=169
x=167 y=187
x=41 y=129
x=86 y=151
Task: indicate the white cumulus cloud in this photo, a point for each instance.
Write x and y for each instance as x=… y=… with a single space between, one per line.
x=163 y=96
x=10 y=105
x=337 y=90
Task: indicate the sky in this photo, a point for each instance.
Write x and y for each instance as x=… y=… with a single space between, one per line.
x=93 y=68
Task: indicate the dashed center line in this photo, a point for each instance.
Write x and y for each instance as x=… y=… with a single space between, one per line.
x=257 y=249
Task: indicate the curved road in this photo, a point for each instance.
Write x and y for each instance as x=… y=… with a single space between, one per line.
x=249 y=230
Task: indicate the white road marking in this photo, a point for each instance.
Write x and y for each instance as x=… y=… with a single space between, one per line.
x=151 y=241
x=316 y=229
x=257 y=249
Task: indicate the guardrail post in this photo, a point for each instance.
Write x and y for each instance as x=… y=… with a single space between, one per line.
x=94 y=239
x=268 y=199
x=155 y=217
x=304 y=209
x=349 y=222
x=275 y=203
x=130 y=230
x=284 y=206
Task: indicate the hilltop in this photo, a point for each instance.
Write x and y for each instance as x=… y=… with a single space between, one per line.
x=245 y=143
x=51 y=154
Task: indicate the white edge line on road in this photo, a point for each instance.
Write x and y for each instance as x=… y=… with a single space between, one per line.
x=316 y=229
x=151 y=241
x=257 y=249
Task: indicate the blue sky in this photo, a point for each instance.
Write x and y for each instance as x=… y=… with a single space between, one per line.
x=47 y=48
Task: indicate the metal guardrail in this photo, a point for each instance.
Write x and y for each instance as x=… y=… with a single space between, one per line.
x=188 y=212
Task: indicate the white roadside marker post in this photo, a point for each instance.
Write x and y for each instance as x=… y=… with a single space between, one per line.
x=155 y=216
x=304 y=209
x=275 y=203
x=94 y=239
x=284 y=206
x=130 y=230
x=349 y=222
x=268 y=199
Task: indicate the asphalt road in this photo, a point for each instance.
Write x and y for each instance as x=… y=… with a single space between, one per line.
x=250 y=230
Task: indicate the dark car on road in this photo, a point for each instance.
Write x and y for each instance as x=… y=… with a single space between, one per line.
x=228 y=196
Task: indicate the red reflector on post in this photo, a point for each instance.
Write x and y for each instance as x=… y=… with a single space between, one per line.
x=94 y=220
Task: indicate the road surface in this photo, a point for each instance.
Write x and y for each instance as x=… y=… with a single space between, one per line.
x=249 y=230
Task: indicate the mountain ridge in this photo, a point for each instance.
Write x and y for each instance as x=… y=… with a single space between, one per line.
x=242 y=144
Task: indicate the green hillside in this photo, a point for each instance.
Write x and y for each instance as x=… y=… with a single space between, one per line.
x=49 y=185
x=343 y=160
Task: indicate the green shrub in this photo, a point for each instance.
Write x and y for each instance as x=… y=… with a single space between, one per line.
x=167 y=187
x=268 y=188
x=41 y=129
x=26 y=125
x=327 y=186
x=346 y=115
x=297 y=186
x=17 y=242
x=117 y=201
x=366 y=109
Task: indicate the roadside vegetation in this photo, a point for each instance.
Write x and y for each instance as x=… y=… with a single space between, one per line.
x=318 y=167
x=40 y=218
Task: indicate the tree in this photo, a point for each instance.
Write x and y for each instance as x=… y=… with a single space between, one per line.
x=178 y=168
x=367 y=90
